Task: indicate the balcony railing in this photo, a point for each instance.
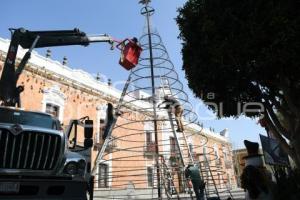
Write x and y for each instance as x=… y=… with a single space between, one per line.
x=110 y=146
x=228 y=164
x=174 y=159
x=218 y=162
x=149 y=148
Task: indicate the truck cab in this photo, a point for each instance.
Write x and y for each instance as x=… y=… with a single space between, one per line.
x=37 y=160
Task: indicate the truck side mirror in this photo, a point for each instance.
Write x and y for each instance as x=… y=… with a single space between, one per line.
x=88 y=129
x=71 y=132
x=88 y=143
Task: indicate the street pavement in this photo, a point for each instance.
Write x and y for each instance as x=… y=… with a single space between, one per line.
x=146 y=194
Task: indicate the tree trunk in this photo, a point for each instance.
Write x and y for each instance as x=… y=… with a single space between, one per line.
x=295 y=143
x=292 y=148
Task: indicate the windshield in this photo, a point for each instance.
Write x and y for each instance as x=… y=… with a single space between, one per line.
x=27 y=118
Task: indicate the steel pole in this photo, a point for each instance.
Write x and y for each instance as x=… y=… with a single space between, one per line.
x=153 y=103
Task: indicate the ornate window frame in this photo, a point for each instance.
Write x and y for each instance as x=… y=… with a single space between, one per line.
x=54 y=96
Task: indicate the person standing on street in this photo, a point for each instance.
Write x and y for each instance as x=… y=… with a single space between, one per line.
x=193 y=173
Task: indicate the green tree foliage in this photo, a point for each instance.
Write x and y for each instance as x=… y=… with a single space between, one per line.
x=246 y=51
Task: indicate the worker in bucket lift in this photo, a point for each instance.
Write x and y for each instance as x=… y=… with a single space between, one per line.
x=135 y=40
x=192 y=173
x=172 y=104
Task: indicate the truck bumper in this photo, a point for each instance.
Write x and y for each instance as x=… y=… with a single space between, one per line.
x=54 y=188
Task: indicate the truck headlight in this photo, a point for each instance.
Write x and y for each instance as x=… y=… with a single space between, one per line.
x=75 y=168
x=71 y=168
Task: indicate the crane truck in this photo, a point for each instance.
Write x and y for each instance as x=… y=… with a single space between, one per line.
x=38 y=160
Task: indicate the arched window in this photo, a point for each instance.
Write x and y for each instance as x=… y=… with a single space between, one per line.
x=150 y=176
x=101 y=122
x=102 y=175
x=216 y=152
x=52 y=109
x=191 y=147
x=53 y=102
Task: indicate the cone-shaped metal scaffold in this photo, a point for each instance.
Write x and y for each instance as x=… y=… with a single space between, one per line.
x=146 y=156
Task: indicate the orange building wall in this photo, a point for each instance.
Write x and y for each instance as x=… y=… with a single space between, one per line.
x=78 y=103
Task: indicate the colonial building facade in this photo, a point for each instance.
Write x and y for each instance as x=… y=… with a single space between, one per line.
x=71 y=94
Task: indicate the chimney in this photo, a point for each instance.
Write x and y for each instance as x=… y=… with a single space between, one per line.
x=48 y=54
x=225 y=133
x=98 y=77
x=65 y=60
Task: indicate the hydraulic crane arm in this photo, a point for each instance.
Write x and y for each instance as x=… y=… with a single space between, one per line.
x=57 y=38
x=9 y=92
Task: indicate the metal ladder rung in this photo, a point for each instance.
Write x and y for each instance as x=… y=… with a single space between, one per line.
x=169 y=178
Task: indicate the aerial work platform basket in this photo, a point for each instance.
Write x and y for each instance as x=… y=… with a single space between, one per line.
x=130 y=53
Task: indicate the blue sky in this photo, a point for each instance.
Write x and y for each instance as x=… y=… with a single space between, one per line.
x=120 y=19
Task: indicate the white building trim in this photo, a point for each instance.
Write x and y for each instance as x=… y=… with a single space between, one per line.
x=55 y=97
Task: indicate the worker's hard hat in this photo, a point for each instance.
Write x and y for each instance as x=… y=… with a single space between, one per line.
x=134 y=39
